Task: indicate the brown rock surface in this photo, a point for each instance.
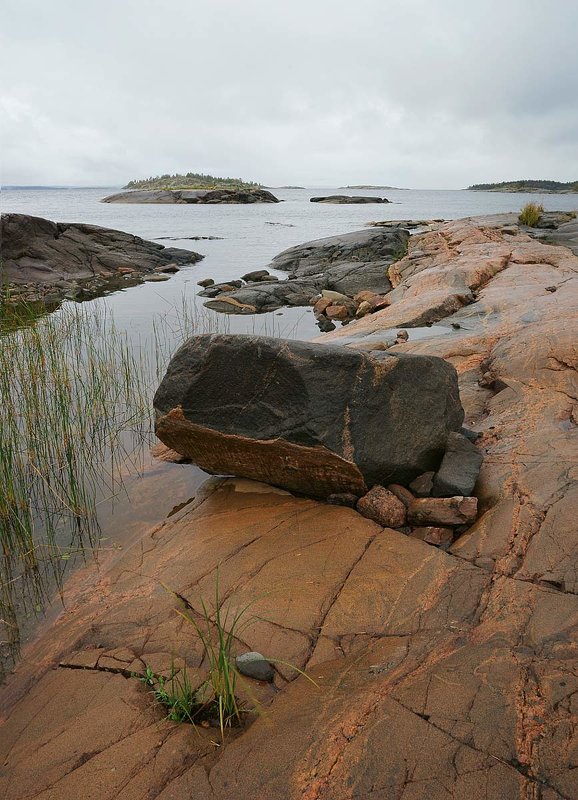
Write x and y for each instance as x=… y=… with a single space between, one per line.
x=447 y=676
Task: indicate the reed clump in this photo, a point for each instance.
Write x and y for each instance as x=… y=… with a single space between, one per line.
x=74 y=407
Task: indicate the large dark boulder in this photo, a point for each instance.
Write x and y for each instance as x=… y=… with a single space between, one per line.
x=314 y=419
x=192 y=196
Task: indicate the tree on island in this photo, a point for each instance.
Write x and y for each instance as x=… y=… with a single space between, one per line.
x=191 y=180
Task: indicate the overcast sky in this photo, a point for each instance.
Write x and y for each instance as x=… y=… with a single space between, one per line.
x=411 y=93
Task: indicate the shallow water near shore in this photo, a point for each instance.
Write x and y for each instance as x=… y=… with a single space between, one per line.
x=250 y=237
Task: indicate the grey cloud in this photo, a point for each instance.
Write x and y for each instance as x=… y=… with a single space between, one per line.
x=414 y=93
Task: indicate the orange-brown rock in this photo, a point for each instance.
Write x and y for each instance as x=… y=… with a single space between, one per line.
x=383 y=507
x=443 y=510
x=339 y=312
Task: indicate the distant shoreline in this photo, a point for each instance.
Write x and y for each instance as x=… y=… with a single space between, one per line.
x=527 y=186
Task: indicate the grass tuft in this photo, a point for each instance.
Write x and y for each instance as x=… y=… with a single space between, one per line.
x=531 y=214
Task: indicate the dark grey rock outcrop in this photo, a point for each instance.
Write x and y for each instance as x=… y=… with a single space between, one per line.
x=65 y=258
x=316 y=256
x=339 y=199
x=310 y=418
x=192 y=196
x=349 y=264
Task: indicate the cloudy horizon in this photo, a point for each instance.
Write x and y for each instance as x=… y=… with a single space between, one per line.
x=415 y=94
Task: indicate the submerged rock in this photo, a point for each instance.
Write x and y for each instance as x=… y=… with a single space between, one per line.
x=313 y=419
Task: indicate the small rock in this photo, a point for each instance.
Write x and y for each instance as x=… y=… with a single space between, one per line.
x=125 y=270
x=221 y=288
x=172 y=268
x=337 y=312
x=459 y=469
x=402 y=336
x=321 y=304
x=551 y=288
x=157 y=278
x=336 y=297
x=423 y=484
x=365 y=297
x=254 y=665
x=401 y=493
x=256 y=276
x=440 y=537
x=325 y=325
x=343 y=499
x=443 y=511
x=363 y=308
x=379 y=301
x=206 y=282
x=382 y=506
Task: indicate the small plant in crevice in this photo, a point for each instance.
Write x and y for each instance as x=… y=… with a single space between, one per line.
x=216 y=701
x=175 y=693
x=531 y=214
x=218 y=635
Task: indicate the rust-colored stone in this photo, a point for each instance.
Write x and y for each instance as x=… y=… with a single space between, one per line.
x=384 y=507
x=295 y=467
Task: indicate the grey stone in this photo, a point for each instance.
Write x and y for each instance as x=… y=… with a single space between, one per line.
x=459 y=469
x=254 y=665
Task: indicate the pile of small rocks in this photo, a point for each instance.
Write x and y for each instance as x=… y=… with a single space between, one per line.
x=437 y=506
x=330 y=307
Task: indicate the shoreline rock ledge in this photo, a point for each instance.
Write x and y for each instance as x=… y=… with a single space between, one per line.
x=313 y=419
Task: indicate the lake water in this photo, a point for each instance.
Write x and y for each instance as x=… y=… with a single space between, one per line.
x=249 y=237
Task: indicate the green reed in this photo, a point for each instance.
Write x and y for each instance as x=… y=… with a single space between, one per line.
x=72 y=397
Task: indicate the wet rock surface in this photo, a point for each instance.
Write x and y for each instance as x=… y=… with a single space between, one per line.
x=439 y=674
x=314 y=419
x=40 y=257
x=192 y=196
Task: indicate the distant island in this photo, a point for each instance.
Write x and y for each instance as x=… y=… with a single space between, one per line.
x=545 y=187
x=367 y=186
x=192 y=180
